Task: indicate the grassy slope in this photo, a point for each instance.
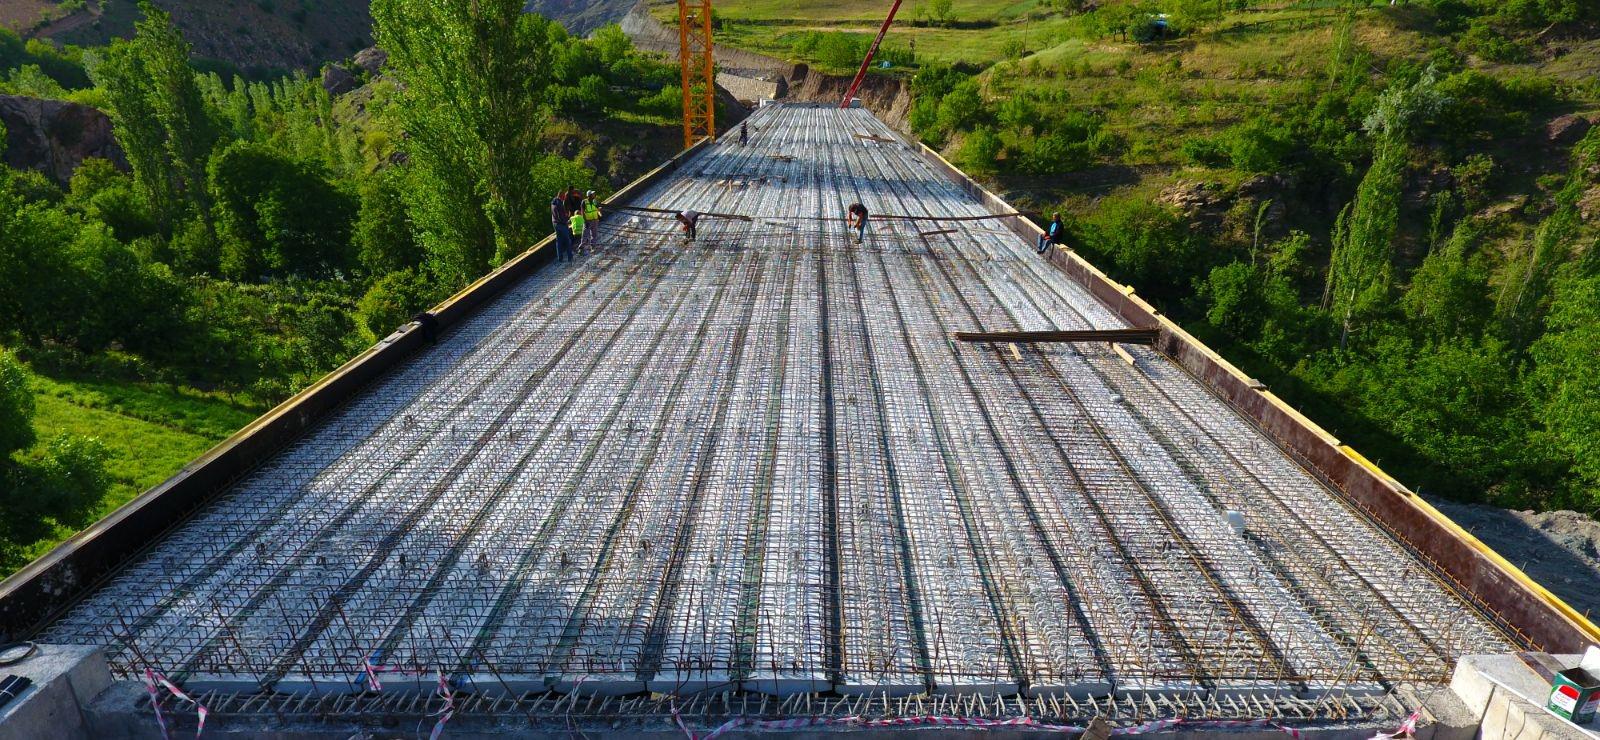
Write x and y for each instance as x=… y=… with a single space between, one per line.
x=983 y=26
x=151 y=430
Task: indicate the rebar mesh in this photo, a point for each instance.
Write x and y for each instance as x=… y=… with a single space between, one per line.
x=757 y=463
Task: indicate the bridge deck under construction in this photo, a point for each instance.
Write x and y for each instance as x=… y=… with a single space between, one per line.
x=761 y=462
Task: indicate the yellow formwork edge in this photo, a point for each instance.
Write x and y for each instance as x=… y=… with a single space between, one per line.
x=1584 y=625
x=1588 y=628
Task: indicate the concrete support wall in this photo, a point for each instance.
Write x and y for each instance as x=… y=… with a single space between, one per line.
x=1501 y=588
x=29 y=597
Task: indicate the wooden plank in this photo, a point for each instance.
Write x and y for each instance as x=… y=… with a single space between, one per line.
x=1124 y=336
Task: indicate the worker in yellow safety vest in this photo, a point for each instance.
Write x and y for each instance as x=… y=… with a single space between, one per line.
x=577 y=226
x=591 y=218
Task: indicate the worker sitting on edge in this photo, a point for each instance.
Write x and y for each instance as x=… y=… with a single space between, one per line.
x=688 y=219
x=576 y=224
x=1056 y=233
x=858 y=220
x=591 y=218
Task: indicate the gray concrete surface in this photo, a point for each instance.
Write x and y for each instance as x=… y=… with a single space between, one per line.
x=65 y=679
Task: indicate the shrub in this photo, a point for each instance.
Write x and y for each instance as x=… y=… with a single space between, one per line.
x=980 y=150
x=16 y=406
x=1147 y=245
x=963 y=109
x=1054 y=154
x=1483 y=39
x=392 y=301
x=1257 y=146
x=1203 y=151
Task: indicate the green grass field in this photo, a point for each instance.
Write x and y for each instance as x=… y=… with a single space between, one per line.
x=151 y=431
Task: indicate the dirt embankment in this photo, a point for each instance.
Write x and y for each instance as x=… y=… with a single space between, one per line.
x=888 y=98
x=1559 y=549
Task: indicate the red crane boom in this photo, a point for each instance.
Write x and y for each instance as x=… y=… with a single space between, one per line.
x=871 y=52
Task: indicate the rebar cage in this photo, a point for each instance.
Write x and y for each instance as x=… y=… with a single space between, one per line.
x=756 y=463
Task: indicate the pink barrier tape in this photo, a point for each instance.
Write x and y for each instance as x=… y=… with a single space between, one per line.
x=153 y=681
x=942 y=721
x=774 y=725
x=1406 y=729
x=679 y=719
x=155 y=702
x=371 y=668
x=449 y=709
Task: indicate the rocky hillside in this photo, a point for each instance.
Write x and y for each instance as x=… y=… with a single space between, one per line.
x=253 y=35
x=259 y=35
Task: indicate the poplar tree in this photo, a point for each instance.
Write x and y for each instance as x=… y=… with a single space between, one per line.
x=472 y=76
x=160 y=116
x=1360 y=273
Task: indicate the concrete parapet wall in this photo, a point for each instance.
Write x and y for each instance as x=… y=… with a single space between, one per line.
x=66 y=678
x=41 y=589
x=1489 y=580
x=1497 y=691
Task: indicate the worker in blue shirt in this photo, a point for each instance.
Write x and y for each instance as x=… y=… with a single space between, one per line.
x=1054 y=234
x=561 y=223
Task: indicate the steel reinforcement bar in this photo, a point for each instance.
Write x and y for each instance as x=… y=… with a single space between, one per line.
x=33 y=595
x=1486 y=577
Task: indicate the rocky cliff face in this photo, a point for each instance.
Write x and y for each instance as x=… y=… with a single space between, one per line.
x=582 y=17
x=54 y=137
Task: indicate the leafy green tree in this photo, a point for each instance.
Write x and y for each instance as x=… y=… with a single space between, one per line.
x=1565 y=383
x=1360 y=271
x=1457 y=403
x=16 y=406
x=1449 y=293
x=963 y=108
x=36 y=280
x=383 y=235
x=980 y=150
x=1525 y=293
x=472 y=77
x=103 y=193
x=277 y=216
x=392 y=301
x=612 y=44
x=62 y=484
x=160 y=116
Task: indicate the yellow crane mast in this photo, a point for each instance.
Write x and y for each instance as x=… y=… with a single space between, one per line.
x=699 y=70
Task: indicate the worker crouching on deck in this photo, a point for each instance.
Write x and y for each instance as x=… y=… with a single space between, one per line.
x=857 y=218
x=688 y=219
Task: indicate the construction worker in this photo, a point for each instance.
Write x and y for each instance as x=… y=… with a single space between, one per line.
x=577 y=226
x=744 y=133
x=591 y=218
x=688 y=219
x=857 y=218
x=1055 y=233
x=561 y=223
x=574 y=201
